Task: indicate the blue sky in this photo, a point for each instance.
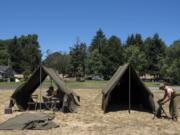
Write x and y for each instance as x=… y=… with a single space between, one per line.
x=59 y=22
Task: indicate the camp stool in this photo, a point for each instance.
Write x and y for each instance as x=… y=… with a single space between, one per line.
x=54 y=103
x=47 y=103
x=34 y=102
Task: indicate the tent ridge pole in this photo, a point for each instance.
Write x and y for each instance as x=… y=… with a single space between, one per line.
x=40 y=87
x=129 y=89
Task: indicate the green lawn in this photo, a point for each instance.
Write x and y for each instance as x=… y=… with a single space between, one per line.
x=152 y=84
x=89 y=84
x=11 y=84
x=100 y=84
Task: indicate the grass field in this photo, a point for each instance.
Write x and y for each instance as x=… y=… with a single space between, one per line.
x=90 y=119
x=73 y=84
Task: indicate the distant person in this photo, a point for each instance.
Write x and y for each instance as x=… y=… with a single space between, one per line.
x=49 y=93
x=169 y=96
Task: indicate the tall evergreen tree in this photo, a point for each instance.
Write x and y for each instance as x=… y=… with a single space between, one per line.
x=95 y=63
x=136 y=58
x=15 y=53
x=78 y=55
x=4 y=56
x=24 y=53
x=58 y=61
x=30 y=51
x=171 y=65
x=98 y=42
x=112 y=56
x=97 y=51
x=134 y=40
x=138 y=40
x=130 y=40
x=155 y=52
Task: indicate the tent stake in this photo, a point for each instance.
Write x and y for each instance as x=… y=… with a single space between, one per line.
x=129 y=90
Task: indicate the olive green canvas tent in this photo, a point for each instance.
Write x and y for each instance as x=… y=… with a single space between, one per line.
x=23 y=93
x=125 y=90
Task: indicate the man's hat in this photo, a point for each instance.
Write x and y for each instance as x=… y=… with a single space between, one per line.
x=51 y=88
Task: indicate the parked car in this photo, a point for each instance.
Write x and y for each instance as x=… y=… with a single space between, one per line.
x=97 y=77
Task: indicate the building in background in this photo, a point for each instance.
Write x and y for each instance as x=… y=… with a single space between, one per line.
x=6 y=73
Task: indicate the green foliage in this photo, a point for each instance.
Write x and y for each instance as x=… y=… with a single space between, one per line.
x=27 y=55
x=174 y=72
x=4 y=56
x=95 y=64
x=130 y=40
x=78 y=55
x=154 y=49
x=136 y=58
x=97 y=50
x=113 y=50
x=106 y=61
x=173 y=51
x=23 y=53
x=15 y=54
x=58 y=61
x=103 y=56
x=135 y=40
x=26 y=75
x=98 y=42
x=138 y=40
x=112 y=56
x=171 y=65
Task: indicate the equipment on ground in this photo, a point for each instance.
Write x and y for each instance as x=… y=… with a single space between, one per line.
x=160 y=112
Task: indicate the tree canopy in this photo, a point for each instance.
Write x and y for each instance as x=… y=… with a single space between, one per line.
x=22 y=53
x=59 y=61
x=102 y=56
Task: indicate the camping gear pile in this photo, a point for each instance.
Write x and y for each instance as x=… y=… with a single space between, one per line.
x=33 y=121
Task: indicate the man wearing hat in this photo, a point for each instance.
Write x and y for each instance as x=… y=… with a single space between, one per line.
x=49 y=93
x=169 y=95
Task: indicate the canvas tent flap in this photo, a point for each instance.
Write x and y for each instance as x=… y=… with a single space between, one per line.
x=126 y=88
x=115 y=78
x=38 y=121
x=23 y=93
x=57 y=80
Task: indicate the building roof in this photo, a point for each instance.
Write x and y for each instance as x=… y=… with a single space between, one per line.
x=4 y=68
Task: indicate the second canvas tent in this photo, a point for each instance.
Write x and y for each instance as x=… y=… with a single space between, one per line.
x=125 y=90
